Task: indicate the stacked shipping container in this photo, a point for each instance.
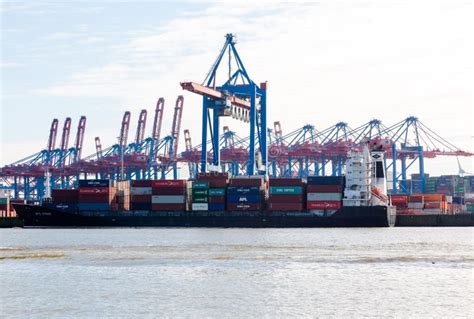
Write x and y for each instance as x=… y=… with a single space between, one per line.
x=5 y=207
x=469 y=198
x=416 y=183
x=450 y=185
x=216 y=191
x=123 y=195
x=141 y=192
x=430 y=185
x=246 y=193
x=324 y=193
x=168 y=195
x=97 y=195
x=286 y=194
x=401 y=203
x=64 y=199
x=200 y=196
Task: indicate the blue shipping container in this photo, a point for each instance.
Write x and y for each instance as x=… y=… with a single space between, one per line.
x=325 y=180
x=94 y=206
x=214 y=207
x=94 y=183
x=244 y=198
x=240 y=190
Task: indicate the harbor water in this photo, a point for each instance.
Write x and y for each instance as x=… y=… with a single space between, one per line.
x=392 y=272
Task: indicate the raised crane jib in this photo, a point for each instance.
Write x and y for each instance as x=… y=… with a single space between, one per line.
x=66 y=132
x=81 y=129
x=141 y=127
x=124 y=129
x=178 y=113
x=53 y=132
x=158 y=118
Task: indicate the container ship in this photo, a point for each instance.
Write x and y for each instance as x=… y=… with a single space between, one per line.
x=357 y=199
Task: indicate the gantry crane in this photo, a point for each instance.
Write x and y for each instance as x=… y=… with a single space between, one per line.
x=240 y=98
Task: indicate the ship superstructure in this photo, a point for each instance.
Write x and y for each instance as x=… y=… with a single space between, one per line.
x=366 y=183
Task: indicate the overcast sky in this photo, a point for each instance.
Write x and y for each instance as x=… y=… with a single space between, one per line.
x=324 y=61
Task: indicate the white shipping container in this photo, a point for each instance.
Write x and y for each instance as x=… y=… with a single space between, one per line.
x=167 y=199
x=199 y=206
x=141 y=190
x=415 y=205
x=324 y=196
x=430 y=211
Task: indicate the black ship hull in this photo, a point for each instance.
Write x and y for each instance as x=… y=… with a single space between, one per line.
x=39 y=216
x=458 y=220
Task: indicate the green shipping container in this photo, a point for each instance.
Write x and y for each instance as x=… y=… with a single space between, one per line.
x=3 y=200
x=200 y=199
x=286 y=190
x=216 y=191
x=200 y=185
x=200 y=192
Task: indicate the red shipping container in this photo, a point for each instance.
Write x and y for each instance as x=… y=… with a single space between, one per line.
x=168 y=207
x=140 y=198
x=286 y=182
x=246 y=182
x=216 y=183
x=293 y=199
x=243 y=206
x=324 y=189
x=64 y=193
x=216 y=200
x=95 y=190
x=285 y=206
x=399 y=199
x=141 y=183
x=168 y=183
x=323 y=204
x=168 y=190
x=415 y=199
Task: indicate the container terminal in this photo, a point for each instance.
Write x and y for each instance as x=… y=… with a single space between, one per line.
x=337 y=176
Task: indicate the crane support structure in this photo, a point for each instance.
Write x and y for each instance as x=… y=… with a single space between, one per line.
x=240 y=98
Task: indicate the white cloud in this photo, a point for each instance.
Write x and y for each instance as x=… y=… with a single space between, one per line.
x=324 y=62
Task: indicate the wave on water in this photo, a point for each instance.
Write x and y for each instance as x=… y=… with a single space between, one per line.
x=433 y=259
x=34 y=256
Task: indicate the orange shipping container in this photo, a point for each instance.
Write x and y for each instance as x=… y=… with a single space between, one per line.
x=434 y=197
x=433 y=205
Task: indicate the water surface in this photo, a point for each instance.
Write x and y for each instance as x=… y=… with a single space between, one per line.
x=397 y=272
